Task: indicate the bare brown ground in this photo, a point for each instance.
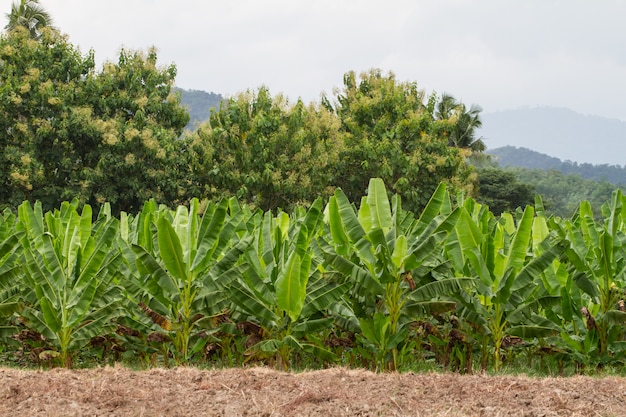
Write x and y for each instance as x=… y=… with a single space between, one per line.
x=335 y=392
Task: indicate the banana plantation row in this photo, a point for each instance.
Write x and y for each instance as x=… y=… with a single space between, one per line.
x=378 y=287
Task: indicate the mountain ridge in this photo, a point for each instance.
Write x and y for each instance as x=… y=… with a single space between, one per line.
x=558 y=132
x=511 y=156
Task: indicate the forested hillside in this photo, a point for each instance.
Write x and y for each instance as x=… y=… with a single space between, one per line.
x=563 y=185
x=511 y=156
x=562 y=193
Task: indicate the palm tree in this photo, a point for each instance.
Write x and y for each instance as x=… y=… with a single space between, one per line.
x=30 y=15
x=445 y=107
x=465 y=123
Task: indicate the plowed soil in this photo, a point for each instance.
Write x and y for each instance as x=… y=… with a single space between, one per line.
x=334 y=392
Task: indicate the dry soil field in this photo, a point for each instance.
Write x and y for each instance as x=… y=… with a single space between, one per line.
x=334 y=392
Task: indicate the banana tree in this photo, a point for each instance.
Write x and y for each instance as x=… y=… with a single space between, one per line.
x=176 y=262
x=499 y=253
x=388 y=256
x=69 y=265
x=11 y=285
x=559 y=311
x=281 y=288
x=596 y=255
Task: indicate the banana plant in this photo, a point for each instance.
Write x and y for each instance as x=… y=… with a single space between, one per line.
x=378 y=336
x=499 y=254
x=559 y=311
x=69 y=265
x=281 y=288
x=7 y=224
x=176 y=263
x=388 y=256
x=595 y=252
x=11 y=285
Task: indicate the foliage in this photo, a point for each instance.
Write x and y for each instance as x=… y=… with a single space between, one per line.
x=514 y=157
x=274 y=154
x=140 y=155
x=10 y=302
x=114 y=135
x=384 y=258
x=562 y=184
x=267 y=152
x=30 y=15
x=501 y=191
x=280 y=288
x=597 y=265
x=327 y=269
x=465 y=122
x=69 y=131
x=497 y=254
x=562 y=193
x=68 y=266
x=175 y=263
x=391 y=132
x=332 y=284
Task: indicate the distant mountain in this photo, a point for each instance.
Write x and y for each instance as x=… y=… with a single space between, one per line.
x=558 y=132
x=511 y=156
x=199 y=104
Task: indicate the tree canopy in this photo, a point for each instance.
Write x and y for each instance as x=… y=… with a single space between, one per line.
x=391 y=132
x=266 y=151
x=502 y=192
x=275 y=154
x=69 y=131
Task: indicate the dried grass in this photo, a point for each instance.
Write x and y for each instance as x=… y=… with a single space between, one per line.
x=184 y=392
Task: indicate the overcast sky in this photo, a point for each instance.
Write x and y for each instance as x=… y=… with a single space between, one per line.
x=498 y=54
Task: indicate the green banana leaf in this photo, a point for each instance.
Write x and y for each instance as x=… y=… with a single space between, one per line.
x=291 y=287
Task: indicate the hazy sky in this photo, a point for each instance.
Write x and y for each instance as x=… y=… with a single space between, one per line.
x=498 y=54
